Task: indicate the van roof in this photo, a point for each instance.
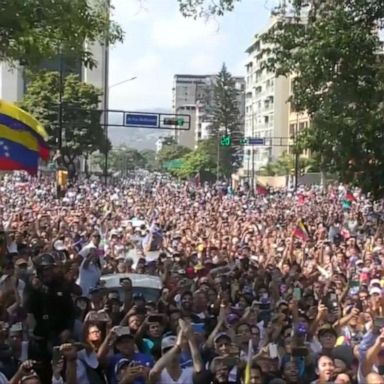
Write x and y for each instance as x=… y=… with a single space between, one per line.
x=138 y=280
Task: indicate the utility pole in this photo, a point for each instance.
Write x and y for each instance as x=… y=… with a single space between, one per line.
x=106 y=93
x=296 y=152
x=253 y=155
x=61 y=81
x=218 y=158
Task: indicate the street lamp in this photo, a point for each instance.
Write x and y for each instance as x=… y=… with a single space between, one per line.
x=122 y=82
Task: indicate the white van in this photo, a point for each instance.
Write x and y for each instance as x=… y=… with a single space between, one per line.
x=148 y=285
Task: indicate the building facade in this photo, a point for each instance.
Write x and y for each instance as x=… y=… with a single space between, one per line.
x=266 y=107
x=194 y=95
x=13 y=82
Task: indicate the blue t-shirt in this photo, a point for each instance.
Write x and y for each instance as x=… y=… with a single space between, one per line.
x=138 y=358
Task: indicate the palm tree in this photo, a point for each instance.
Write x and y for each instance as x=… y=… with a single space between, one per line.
x=268 y=169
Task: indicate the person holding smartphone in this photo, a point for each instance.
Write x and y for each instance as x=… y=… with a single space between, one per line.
x=124 y=349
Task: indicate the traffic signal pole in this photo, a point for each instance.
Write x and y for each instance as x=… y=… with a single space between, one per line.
x=279 y=141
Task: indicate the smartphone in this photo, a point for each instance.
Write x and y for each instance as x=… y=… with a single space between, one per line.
x=273 y=354
x=299 y=352
x=198 y=328
x=297 y=294
x=155 y=319
x=56 y=355
x=230 y=361
x=121 y=331
x=378 y=322
x=79 y=346
x=359 y=306
x=102 y=317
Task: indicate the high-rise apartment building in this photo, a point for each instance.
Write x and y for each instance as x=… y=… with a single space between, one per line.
x=13 y=83
x=266 y=106
x=194 y=95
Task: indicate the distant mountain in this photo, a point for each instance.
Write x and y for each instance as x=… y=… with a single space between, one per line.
x=138 y=138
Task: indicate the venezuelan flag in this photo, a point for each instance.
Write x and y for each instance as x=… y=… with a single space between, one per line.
x=350 y=197
x=301 y=231
x=22 y=139
x=247 y=372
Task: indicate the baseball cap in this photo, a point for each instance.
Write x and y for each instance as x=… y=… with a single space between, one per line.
x=45 y=260
x=168 y=342
x=373 y=282
x=375 y=290
x=59 y=245
x=327 y=329
x=20 y=262
x=124 y=335
x=222 y=335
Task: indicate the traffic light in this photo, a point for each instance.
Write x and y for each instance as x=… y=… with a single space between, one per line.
x=244 y=141
x=173 y=121
x=225 y=141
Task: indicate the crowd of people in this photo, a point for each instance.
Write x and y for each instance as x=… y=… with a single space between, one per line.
x=266 y=288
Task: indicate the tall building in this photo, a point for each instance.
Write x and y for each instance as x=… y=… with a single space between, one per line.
x=266 y=106
x=13 y=83
x=194 y=95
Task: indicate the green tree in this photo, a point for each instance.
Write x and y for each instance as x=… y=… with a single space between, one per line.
x=203 y=8
x=333 y=49
x=82 y=132
x=149 y=156
x=171 y=152
x=337 y=57
x=226 y=119
x=202 y=161
x=268 y=169
x=124 y=159
x=35 y=30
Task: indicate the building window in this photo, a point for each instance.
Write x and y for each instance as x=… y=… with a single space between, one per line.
x=292 y=129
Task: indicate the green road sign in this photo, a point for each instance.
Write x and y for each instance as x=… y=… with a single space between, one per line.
x=173 y=164
x=225 y=141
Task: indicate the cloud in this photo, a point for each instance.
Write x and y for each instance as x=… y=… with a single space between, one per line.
x=131 y=10
x=178 y=32
x=204 y=63
x=148 y=90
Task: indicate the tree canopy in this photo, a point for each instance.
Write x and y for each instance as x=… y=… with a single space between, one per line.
x=170 y=152
x=202 y=160
x=199 y=8
x=35 y=30
x=332 y=50
x=336 y=55
x=226 y=119
x=82 y=132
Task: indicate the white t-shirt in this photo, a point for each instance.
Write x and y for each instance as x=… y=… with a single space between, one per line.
x=185 y=377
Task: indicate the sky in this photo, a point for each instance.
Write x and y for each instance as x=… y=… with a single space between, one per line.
x=159 y=43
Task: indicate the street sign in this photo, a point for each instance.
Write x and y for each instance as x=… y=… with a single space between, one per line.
x=146 y=120
x=253 y=141
x=256 y=141
x=174 y=121
x=178 y=121
x=225 y=141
